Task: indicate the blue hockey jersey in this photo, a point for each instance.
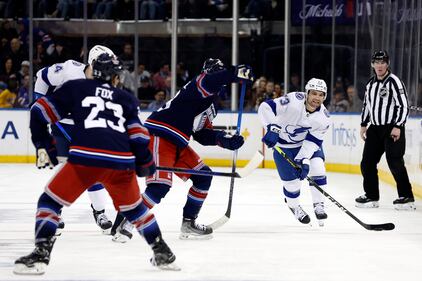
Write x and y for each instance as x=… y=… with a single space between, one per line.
x=107 y=132
x=191 y=110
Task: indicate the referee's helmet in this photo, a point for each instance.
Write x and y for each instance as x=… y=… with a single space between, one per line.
x=380 y=55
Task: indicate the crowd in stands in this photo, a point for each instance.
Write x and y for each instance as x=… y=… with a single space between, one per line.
x=153 y=89
x=148 y=9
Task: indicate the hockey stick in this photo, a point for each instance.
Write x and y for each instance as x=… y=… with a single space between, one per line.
x=221 y=221
x=416 y=108
x=378 y=227
x=241 y=173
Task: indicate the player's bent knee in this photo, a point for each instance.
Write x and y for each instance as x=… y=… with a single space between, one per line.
x=202 y=182
x=45 y=201
x=154 y=193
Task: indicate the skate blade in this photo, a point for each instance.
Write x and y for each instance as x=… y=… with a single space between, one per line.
x=38 y=269
x=321 y=223
x=59 y=232
x=119 y=238
x=190 y=236
x=168 y=267
x=106 y=231
x=405 y=207
x=367 y=205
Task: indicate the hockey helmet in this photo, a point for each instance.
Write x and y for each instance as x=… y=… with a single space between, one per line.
x=212 y=65
x=96 y=51
x=380 y=55
x=318 y=85
x=105 y=67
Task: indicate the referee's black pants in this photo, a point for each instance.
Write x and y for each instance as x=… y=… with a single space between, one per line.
x=378 y=141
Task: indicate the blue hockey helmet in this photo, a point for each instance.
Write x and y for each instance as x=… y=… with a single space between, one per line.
x=105 y=67
x=212 y=65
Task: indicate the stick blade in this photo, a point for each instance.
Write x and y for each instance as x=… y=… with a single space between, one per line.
x=218 y=223
x=252 y=164
x=381 y=227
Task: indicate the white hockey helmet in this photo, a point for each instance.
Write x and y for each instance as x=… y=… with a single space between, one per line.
x=96 y=51
x=318 y=85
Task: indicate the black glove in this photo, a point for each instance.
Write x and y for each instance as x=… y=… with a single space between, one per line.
x=230 y=142
x=243 y=72
x=46 y=153
x=146 y=168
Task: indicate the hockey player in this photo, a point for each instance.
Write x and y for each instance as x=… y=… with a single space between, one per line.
x=190 y=113
x=109 y=145
x=297 y=123
x=50 y=78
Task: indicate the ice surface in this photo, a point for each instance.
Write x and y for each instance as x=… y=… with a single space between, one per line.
x=261 y=241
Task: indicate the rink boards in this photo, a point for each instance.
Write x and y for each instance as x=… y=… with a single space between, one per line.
x=342 y=145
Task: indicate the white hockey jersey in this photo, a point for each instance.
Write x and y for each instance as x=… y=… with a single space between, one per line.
x=299 y=128
x=52 y=77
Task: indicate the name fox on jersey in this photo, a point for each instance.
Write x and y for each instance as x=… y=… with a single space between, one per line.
x=104 y=93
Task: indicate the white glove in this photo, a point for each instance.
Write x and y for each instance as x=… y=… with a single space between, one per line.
x=43 y=160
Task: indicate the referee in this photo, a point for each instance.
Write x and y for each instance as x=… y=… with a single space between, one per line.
x=385 y=108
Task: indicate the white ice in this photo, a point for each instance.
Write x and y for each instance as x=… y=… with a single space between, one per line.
x=261 y=241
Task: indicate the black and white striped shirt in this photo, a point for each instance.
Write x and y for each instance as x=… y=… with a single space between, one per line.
x=385 y=102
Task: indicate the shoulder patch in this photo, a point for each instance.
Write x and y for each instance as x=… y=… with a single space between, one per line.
x=284 y=100
x=326 y=113
x=299 y=95
x=75 y=63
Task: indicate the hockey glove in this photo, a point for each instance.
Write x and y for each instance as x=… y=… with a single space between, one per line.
x=228 y=141
x=303 y=170
x=243 y=72
x=46 y=154
x=272 y=135
x=146 y=168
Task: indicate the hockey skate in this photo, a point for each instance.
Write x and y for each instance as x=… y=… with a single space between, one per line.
x=36 y=262
x=123 y=232
x=101 y=220
x=365 y=202
x=404 y=204
x=163 y=257
x=300 y=214
x=320 y=213
x=195 y=231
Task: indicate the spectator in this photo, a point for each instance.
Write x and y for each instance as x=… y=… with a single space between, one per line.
x=355 y=103
x=258 y=8
x=269 y=90
x=39 y=57
x=104 y=9
x=295 y=83
x=17 y=54
x=278 y=90
x=151 y=9
x=142 y=73
x=159 y=101
x=182 y=75
x=159 y=78
x=23 y=71
x=127 y=57
x=59 y=54
x=167 y=88
x=146 y=92
x=23 y=94
x=8 y=96
x=339 y=102
x=6 y=69
x=7 y=31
